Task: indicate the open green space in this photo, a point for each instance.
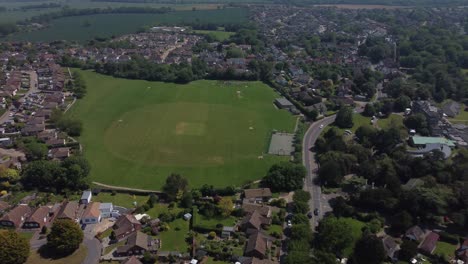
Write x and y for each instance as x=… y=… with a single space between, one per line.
x=77 y=257
x=26 y=235
x=390 y=121
x=445 y=249
x=121 y=199
x=174 y=238
x=137 y=132
x=356 y=232
x=216 y=34
x=82 y=28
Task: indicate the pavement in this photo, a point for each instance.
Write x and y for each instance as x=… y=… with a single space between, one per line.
x=308 y=158
x=92 y=244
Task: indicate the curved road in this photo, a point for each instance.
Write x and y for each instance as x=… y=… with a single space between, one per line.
x=308 y=159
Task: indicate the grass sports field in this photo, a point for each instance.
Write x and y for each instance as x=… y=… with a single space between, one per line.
x=107 y=25
x=138 y=132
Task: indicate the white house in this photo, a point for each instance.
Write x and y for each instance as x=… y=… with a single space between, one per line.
x=106 y=209
x=92 y=214
x=86 y=197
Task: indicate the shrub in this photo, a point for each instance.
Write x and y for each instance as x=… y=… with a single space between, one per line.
x=212 y=235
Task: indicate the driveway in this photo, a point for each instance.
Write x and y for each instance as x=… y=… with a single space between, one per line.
x=308 y=159
x=92 y=244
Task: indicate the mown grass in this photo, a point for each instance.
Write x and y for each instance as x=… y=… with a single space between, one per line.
x=77 y=257
x=445 y=249
x=356 y=233
x=174 y=238
x=462 y=117
x=82 y=28
x=392 y=121
x=121 y=199
x=136 y=132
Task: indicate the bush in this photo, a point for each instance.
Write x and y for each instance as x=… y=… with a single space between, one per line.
x=449 y=238
x=212 y=235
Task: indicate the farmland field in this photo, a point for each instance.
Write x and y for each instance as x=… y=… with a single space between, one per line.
x=82 y=28
x=136 y=132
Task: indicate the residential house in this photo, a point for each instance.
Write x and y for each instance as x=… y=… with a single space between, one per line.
x=451 y=109
x=263 y=209
x=86 y=197
x=430 y=242
x=59 y=153
x=32 y=130
x=132 y=260
x=106 y=209
x=257 y=246
x=125 y=226
x=390 y=247
x=257 y=195
x=137 y=244
x=37 y=219
x=92 y=214
x=254 y=221
x=16 y=217
x=462 y=252
x=415 y=233
x=4 y=142
x=69 y=210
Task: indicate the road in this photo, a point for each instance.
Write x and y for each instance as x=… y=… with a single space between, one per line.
x=308 y=159
x=93 y=245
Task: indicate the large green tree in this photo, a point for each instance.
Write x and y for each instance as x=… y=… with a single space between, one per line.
x=369 y=250
x=334 y=235
x=14 y=249
x=176 y=185
x=64 y=238
x=344 y=117
x=285 y=176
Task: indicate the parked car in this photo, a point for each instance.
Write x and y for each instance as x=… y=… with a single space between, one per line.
x=309 y=215
x=316 y=211
x=289 y=223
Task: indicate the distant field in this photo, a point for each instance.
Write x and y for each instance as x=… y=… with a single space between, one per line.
x=107 y=25
x=219 y=35
x=356 y=6
x=136 y=132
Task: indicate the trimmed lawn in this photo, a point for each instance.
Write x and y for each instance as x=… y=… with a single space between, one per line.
x=216 y=34
x=461 y=118
x=212 y=261
x=136 y=133
x=275 y=228
x=445 y=249
x=356 y=232
x=174 y=240
x=162 y=208
x=108 y=249
x=120 y=199
x=26 y=235
x=392 y=120
x=77 y=257
x=211 y=223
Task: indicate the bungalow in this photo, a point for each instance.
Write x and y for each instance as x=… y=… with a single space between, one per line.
x=55 y=142
x=390 y=247
x=47 y=135
x=59 y=153
x=419 y=141
x=430 y=242
x=69 y=210
x=257 y=246
x=37 y=219
x=16 y=217
x=31 y=130
x=106 y=209
x=125 y=226
x=92 y=214
x=4 y=142
x=137 y=244
x=257 y=195
x=451 y=109
x=249 y=208
x=3 y=206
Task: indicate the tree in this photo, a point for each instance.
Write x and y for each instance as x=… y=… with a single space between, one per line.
x=344 y=118
x=36 y=150
x=369 y=250
x=334 y=235
x=175 y=184
x=187 y=200
x=330 y=174
x=14 y=249
x=285 y=176
x=408 y=250
x=70 y=126
x=401 y=222
x=401 y=103
x=65 y=237
x=226 y=206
